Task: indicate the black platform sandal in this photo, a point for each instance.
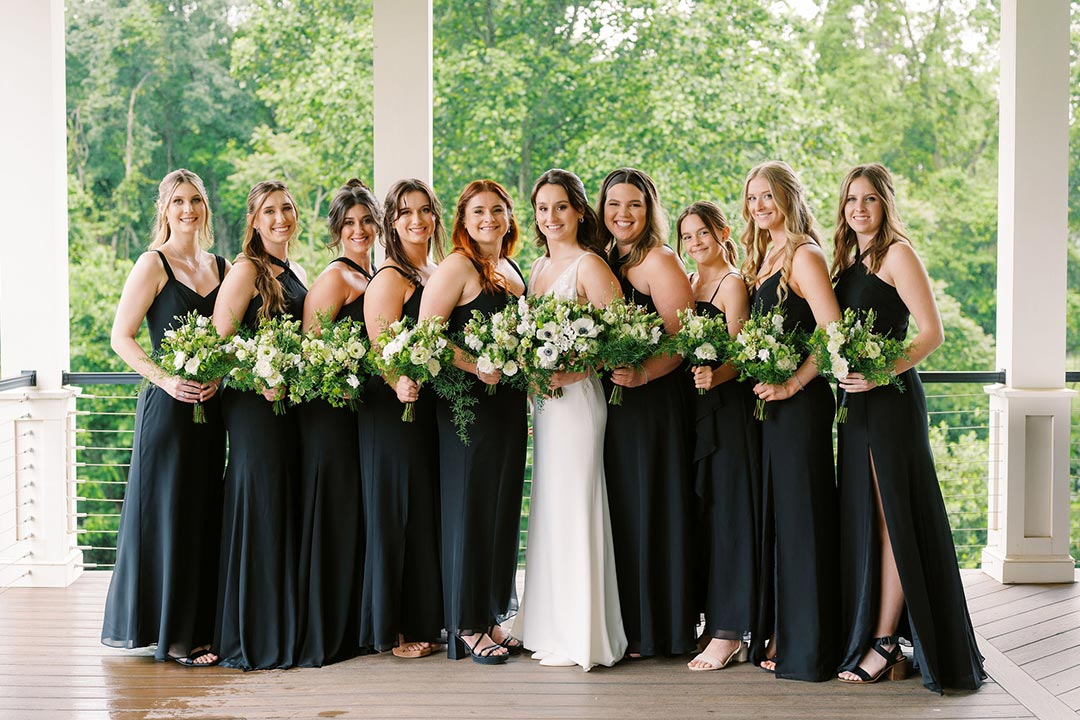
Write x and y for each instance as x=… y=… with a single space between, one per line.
x=896 y=663
x=458 y=649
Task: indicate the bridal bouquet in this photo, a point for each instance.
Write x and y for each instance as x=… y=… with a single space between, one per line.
x=850 y=345
x=630 y=336
x=702 y=339
x=764 y=352
x=556 y=334
x=335 y=363
x=494 y=342
x=268 y=358
x=194 y=351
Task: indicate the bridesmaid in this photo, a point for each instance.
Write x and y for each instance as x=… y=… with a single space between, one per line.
x=481 y=482
x=332 y=536
x=572 y=615
x=786 y=268
x=646 y=450
x=898 y=561
x=727 y=451
x=402 y=600
x=164 y=585
x=257 y=604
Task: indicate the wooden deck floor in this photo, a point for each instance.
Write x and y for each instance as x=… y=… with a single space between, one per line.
x=52 y=666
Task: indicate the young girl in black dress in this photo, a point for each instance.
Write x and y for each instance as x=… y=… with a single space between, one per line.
x=899 y=564
x=402 y=601
x=785 y=268
x=257 y=589
x=482 y=481
x=332 y=523
x=163 y=587
x=727 y=447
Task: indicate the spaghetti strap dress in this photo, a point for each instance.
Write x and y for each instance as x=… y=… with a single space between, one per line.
x=647 y=466
x=890 y=427
x=481 y=487
x=800 y=550
x=400 y=472
x=727 y=482
x=257 y=588
x=331 y=564
x=164 y=583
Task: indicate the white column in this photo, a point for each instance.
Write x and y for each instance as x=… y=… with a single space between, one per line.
x=1028 y=539
x=34 y=294
x=403 y=98
x=33 y=185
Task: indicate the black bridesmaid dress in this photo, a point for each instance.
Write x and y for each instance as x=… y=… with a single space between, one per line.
x=257 y=589
x=647 y=464
x=727 y=481
x=481 y=487
x=800 y=566
x=891 y=427
x=164 y=585
x=400 y=471
x=332 y=524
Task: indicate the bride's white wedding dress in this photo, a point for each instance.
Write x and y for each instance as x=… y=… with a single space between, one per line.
x=570 y=607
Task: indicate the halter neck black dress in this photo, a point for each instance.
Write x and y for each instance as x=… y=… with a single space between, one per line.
x=257 y=604
x=164 y=584
x=800 y=565
x=891 y=427
x=647 y=464
x=402 y=591
x=332 y=523
x=481 y=492
x=727 y=481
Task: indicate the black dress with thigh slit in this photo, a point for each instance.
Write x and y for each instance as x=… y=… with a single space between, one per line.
x=890 y=426
x=800 y=548
x=257 y=589
x=164 y=585
x=332 y=524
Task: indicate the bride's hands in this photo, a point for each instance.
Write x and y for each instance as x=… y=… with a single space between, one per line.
x=563 y=378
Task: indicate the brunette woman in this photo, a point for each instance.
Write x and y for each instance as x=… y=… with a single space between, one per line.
x=332 y=536
x=727 y=447
x=646 y=448
x=798 y=620
x=899 y=564
x=257 y=593
x=402 y=601
x=164 y=586
x=481 y=481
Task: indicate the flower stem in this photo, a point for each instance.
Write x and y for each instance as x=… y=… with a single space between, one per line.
x=616 y=395
x=759 y=409
x=409 y=413
x=198 y=414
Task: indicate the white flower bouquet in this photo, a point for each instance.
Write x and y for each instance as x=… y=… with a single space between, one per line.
x=764 y=352
x=494 y=343
x=630 y=336
x=335 y=365
x=850 y=345
x=193 y=350
x=268 y=358
x=418 y=352
x=702 y=339
x=556 y=335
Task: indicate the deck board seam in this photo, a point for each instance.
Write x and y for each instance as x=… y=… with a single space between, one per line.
x=1026 y=689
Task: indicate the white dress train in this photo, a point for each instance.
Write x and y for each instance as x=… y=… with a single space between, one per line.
x=570 y=607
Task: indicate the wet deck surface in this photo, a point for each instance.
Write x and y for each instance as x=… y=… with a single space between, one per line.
x=52 y=666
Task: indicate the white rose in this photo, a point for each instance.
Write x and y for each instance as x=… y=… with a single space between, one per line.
x=484 y=364
x=705 y=352
x=419 y=355
x=873 y=350
x=839 y=368
x=785 y=363
x=510 y=368
x=263 y=368
x=192 y=366
x=434 y=366
x=778 y=323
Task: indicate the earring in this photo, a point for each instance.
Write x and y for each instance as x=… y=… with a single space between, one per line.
x=581 y=220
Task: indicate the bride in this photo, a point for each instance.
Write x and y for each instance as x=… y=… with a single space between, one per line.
x=569 y=613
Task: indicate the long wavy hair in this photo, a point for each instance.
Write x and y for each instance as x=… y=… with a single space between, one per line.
x=892 y=230
x=656 y=221
x=395 y=249
x=168 y=185
x=266 y=284
x=790 y=199
x=353 y=193
x=715 y=220
x=490 y=278
x=587 y=232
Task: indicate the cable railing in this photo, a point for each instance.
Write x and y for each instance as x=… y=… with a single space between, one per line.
x=16 y=503
x=958 y=413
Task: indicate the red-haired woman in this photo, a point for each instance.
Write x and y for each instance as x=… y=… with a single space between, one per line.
x=481 y=482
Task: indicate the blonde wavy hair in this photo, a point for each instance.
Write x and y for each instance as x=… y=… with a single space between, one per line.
x=166 y=189
x=790 y=199
x=892 y=230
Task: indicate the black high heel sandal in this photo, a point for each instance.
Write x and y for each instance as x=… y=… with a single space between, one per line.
x=458 y=649
x=896 y=663
x=512 y=644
